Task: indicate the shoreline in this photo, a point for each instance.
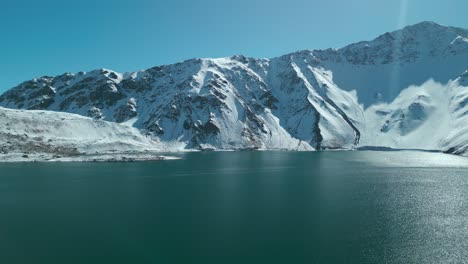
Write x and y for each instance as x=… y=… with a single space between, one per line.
x=167 y=155
x=105 y=157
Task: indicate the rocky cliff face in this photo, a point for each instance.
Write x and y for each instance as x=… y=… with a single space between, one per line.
x=307 y=100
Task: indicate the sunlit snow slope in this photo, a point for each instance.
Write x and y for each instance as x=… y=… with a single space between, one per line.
x=66 y=134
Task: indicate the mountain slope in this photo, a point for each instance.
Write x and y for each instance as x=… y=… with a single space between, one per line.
x=32 y=132
x=386 y=92
x=206 y=103
x=380 y=69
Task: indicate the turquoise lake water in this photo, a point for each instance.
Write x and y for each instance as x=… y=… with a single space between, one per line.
x=239 y=207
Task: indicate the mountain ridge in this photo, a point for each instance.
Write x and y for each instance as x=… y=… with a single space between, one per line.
x=305 y=100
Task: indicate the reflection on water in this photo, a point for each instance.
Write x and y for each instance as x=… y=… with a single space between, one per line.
x=408 y=159
x=239 y=207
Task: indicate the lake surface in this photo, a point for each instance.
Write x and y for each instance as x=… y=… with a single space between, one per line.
x=239 y=207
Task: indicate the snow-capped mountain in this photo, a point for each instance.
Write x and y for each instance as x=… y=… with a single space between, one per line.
x=404 y=89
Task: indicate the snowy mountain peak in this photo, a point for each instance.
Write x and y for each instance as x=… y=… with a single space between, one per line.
x=415 y=42
x=425 y=26
x=429 y=26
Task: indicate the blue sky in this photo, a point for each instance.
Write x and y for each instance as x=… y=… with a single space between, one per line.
x=51 y=37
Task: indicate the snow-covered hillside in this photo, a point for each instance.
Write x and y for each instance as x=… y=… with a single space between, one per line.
x=380 y=69
x=63 y=134
x=431 y=116
x=402 y=89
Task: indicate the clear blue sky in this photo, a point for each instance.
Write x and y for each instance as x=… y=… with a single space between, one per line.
x=51 y=37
